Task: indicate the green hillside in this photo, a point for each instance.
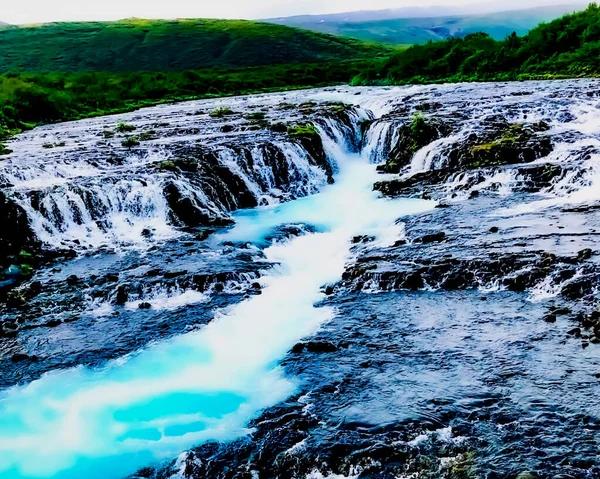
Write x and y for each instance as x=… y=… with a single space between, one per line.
x=414 y=30
x=566 y=47
x=65 y=71
x=156 y=45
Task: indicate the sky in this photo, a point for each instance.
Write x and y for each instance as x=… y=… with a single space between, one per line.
x=37 y=11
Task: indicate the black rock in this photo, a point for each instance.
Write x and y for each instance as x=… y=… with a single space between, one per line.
x=494 y=229
x=20 y=357
x=72 y=280
x=144 y=305
x=434 y=238
x=122 y=294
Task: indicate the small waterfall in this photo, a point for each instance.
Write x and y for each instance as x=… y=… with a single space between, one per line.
x=379 y=139
x=119 y=198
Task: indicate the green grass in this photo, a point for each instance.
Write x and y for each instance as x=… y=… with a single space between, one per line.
x=66 y=71
x=137 y=45
x=27 y=100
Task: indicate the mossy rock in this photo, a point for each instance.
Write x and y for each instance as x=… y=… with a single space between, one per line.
x=130 y=142
x=414 y=135
x=4 y=150
x=306 y=130
x=168 y=166
x=509 y=144
x=123 y=127
x=221 y=112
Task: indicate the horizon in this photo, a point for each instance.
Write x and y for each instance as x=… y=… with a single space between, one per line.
x=49 y=11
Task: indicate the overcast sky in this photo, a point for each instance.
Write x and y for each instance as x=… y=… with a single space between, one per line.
x=34 y=11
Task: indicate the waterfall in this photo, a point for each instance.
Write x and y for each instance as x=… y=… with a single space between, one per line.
x=209 y=383
x=117 y=198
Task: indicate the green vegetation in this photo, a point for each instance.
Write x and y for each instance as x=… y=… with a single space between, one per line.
x=566 y=47
x=27 y=100
x=221 y=112
x=67 y=71
x=137 y=45
x=124 y=128
x=75 y=70
x=130 y=141
x=256 y=116
x=306 y=130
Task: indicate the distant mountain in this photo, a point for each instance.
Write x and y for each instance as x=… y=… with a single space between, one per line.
x=169 y=45
x=421 y=24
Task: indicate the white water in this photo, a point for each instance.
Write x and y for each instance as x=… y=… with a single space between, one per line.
x=105 y=423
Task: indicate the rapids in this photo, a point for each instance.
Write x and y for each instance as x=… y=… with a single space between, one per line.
x=246 y=301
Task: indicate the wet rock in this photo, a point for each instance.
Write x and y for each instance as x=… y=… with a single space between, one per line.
x=53 y=323
x=35 y=288
x=577 y=289
x=9 y=329
x=576 y=332
x=527 y=475
x=21 y=357
x=174 y=274
x=500 y=143
x=72 y=280
x=550 y=318
x=122 y=294
x=585 y=254
x=418 y=133
x=432 y=238
x=494 y=229
x=144 y=305
x=362 y=239
x=16 y=234
x=314 y=347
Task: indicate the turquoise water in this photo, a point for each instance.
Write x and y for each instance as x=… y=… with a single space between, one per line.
x=150 y=406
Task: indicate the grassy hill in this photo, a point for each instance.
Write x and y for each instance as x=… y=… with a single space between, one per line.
x=389 y=28
x=566 y=47
x=64 y=71
x=157 y=45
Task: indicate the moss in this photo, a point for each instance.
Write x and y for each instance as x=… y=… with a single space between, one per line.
x=256 y=116
x=306 y=130
x=123 y=127
x=221 y=112
x=167 y=166
x=130 y=141
x=147 y=135
x=338 y=107
x=4 y=150
x=26 y=269
x=108 y=134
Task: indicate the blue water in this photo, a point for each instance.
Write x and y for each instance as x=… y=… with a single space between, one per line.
x=205 y=385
